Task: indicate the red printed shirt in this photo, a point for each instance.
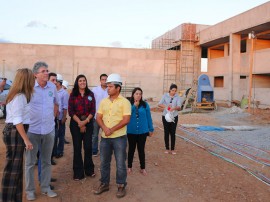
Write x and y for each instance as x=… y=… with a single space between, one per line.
x=79 y=106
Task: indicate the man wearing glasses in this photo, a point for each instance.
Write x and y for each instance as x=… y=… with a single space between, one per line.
x=41 y=131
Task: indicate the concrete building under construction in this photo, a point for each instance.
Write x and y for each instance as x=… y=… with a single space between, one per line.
x=237 y=51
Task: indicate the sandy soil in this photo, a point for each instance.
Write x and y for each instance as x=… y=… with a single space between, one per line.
x=193 y=174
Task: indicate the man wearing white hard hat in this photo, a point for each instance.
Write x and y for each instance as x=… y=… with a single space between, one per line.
x=65 y=86
x=113 y=115
x=62 y=117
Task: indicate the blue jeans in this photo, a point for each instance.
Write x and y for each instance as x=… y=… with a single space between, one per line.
x=95 y=137
x=118 y=146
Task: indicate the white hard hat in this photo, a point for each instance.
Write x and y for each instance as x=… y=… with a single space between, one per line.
x=65 y=83
x=59 y=77
x=169 y=117
x=114 y=78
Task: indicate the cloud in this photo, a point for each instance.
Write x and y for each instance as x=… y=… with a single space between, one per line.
x=138 y=45
x=37 y=24
x=116 y=44
x=147 y=37
x=3 y=40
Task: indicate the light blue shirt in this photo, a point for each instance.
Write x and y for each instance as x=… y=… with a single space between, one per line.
x=42 y=109
x=176 y=101
x=63 y=99
x=99 y=94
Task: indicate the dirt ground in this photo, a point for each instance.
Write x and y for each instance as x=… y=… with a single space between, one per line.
x=193 y=174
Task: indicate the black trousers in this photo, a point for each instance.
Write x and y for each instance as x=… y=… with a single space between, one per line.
x=139 y=141
x=56 y=127
x=169 y=131
x=12 y=181
x=80 y=166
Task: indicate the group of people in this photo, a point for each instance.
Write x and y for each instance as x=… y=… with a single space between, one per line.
x=37 y=106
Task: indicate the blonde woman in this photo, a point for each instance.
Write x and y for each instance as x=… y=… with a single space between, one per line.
x=14 y=134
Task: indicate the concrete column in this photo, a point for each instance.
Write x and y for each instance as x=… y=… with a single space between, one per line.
x=226 y=50
x=234 y=68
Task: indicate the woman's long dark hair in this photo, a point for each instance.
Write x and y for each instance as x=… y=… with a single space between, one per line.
x=142 y=103
x=75 y=90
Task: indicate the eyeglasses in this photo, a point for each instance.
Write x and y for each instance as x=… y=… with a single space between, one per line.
x=43 y=71
x=137 y=113
x=171 y=100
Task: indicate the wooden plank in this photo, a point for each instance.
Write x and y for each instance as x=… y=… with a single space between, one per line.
x=205 y=107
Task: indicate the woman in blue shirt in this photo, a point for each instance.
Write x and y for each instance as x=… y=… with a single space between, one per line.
x=139 y=127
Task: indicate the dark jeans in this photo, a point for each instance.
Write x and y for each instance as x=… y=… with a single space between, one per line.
x=80 y=166
x=56 y=128
x=169 y=130
x=139 y=141
x=60 y=139
x=118 y=146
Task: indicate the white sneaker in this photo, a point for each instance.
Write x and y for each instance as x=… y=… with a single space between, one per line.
x=30 y=196
x=50 y=193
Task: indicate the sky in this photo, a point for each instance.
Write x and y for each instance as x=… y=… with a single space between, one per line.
x=108 y=23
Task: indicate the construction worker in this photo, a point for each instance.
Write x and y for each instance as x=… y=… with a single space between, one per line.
x=113 y=116
x=62 y=116
x=65 y=87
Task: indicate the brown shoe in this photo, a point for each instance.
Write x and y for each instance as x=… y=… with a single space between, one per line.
x=102 y=188
x=121 y=191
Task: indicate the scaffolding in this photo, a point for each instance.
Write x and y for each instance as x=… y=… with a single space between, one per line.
x=171 y=59
x=190 y=56
x=181 y=56
x=171 y=68
x=127 y=88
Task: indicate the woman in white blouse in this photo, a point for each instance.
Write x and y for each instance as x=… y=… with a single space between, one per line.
x=14 y=133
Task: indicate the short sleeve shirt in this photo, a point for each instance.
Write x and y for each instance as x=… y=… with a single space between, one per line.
x=113 y=112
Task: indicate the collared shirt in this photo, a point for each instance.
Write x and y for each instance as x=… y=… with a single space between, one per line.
x=100 y=94
x=113 y=112
x=81 y=106
x=42 y=109
x=140 y=120
x=63 y=98
x=176 y=101
x=18 y=110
